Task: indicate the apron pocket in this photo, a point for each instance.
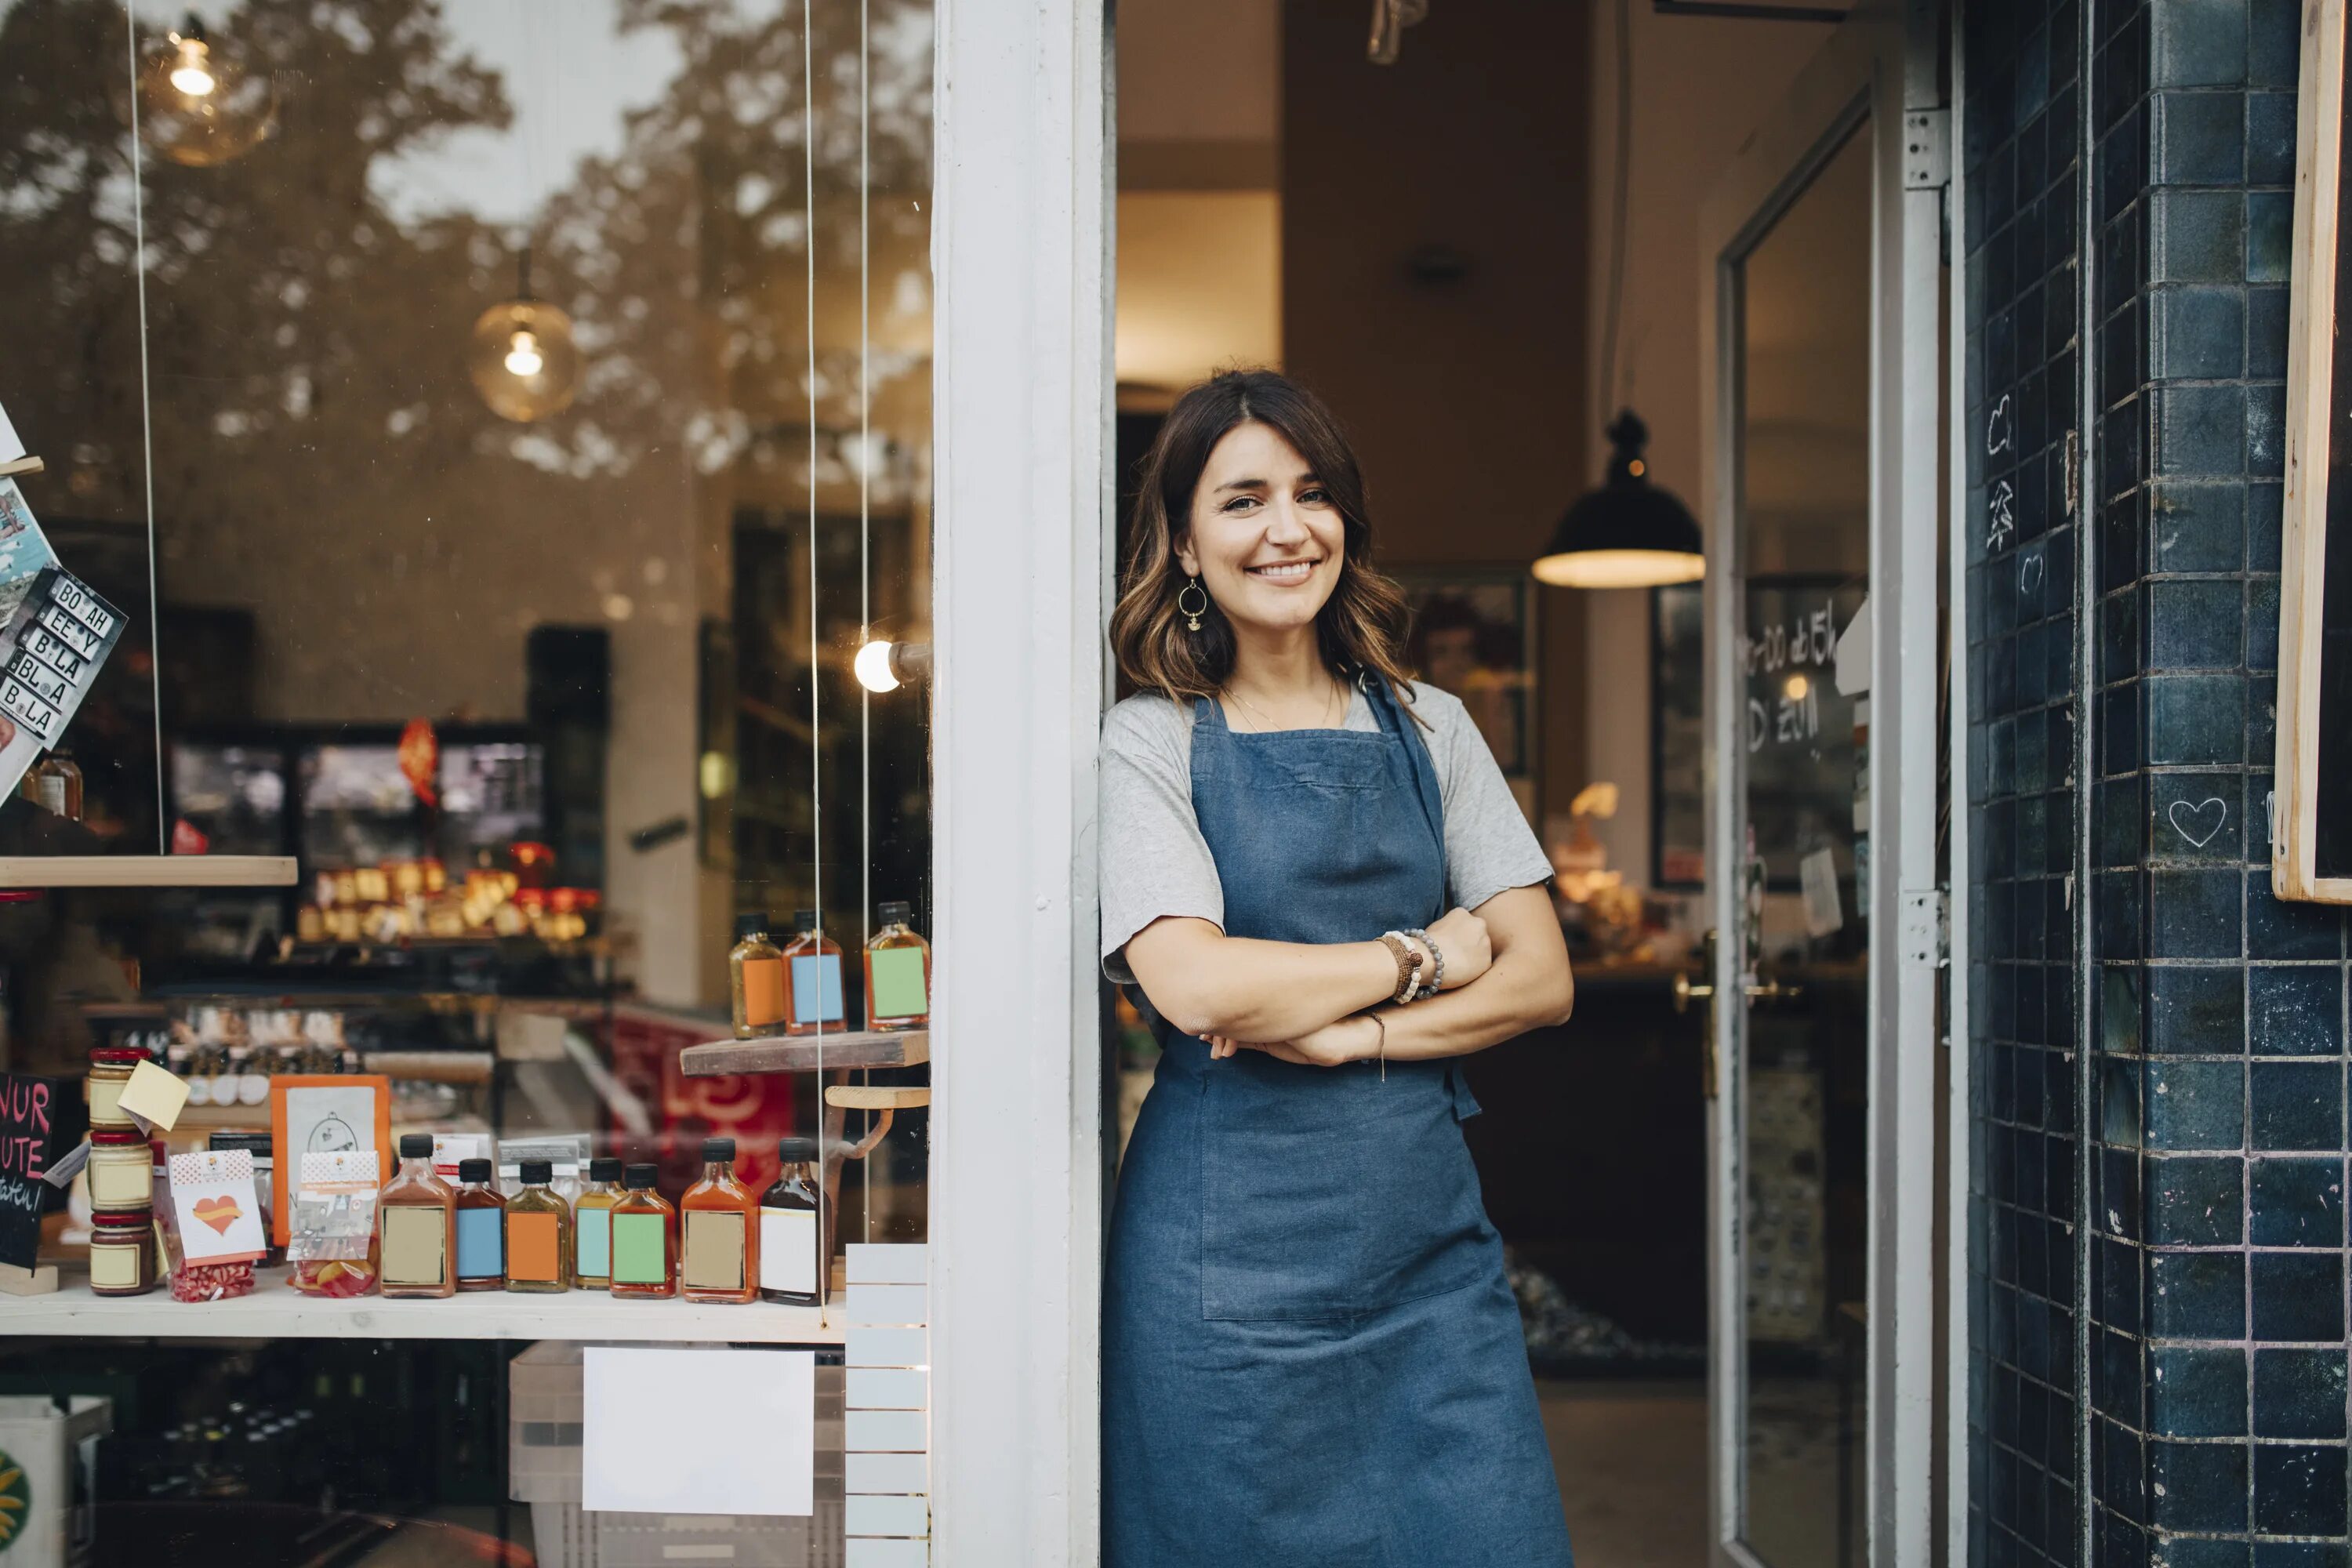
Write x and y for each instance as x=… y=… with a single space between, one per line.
x=1334 y=1217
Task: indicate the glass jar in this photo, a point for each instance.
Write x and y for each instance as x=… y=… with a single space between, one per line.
x=110 y=1068
x=121 y=1249
x=121 y=1169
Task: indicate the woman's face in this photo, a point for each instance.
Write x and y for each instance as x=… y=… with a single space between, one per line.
x=1264 y=535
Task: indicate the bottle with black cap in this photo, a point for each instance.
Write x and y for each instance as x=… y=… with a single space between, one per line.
x=481 y=1212
x=791 y=1250
x=591 y=1226
x=897 y=973
x=755 y=978
x=415 y=1214
x=645 y=1237
x=538 y=1233
x=812 y=978
x=722 y=1244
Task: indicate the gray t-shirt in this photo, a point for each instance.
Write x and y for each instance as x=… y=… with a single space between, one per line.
x=1155 y=862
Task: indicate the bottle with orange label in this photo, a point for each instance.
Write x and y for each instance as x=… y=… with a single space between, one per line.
x=755 y=973
x=538 y=1233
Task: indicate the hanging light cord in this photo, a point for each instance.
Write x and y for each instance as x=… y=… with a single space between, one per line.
x=1617 y=203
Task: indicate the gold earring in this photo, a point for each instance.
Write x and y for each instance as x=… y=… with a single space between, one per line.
x=1192 y=616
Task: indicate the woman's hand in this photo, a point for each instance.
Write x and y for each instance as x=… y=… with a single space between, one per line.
x=1469 y=949
x=1352 y=1039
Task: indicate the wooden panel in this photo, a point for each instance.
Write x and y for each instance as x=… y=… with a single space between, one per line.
x=799 y=1053
x=146 y=871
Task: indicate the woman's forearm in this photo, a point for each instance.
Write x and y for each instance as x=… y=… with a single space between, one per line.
x=1206 y=983
x=1523 y=991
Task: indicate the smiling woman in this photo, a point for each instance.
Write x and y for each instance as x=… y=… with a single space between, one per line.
x=1309 y=1352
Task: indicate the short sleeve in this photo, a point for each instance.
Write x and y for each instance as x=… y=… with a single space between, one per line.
x=1154 y=862
x=1489 y=847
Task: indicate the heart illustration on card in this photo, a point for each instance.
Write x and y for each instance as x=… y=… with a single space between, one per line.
x=218 y=1213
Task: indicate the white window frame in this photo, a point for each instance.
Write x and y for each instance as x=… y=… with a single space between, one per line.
x=1021 y=244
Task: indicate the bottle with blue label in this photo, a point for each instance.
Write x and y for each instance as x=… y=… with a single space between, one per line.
x=812 y=978
x=481 y=1229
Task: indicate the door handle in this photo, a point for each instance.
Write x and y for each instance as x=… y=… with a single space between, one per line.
x=1684 y=991
x=1773 y=991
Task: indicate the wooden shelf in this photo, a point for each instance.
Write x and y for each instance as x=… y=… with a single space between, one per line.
x=878 y=1097
x=146 y=871
x=277 y=1310
x=799 y=1053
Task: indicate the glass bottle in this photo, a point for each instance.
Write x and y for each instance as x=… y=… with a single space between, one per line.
x=812 y=978
x=755 y=974
x=416 y=1215
x=591 y=1227
x=54 y=783
x=722 y=1244
x=645 y=1238
x=538 y=1233
x=898 y=974
x=791 y=1247
x=481 y=1216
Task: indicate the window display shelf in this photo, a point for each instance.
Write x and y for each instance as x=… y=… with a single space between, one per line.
x=146 y=871
x=277 y=1310
x=799 y=1053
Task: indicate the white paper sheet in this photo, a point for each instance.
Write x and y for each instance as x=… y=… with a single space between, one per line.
x=697 y=1431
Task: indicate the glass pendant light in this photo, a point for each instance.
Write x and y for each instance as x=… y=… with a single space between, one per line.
x=523 y=359
x=198 y=104
x=1629 y=533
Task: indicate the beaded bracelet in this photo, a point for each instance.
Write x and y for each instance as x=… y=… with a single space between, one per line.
x=1437 y=967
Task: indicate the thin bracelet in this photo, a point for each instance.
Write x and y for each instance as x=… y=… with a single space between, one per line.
x=1383 y=1029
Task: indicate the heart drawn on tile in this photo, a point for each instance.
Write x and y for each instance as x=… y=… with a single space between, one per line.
x=2029 y=574
x=2196 y=815
x=218 y=1213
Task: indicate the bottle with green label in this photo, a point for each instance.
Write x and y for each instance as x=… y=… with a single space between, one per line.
x=898 y=974
x=591 y=1227
x=645 y=1238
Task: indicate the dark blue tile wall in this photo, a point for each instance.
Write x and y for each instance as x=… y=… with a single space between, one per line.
x=2022 y=224
x=2210 y=1424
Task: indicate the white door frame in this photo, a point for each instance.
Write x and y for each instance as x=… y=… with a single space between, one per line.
x=1021 y=385
x=1864 y=73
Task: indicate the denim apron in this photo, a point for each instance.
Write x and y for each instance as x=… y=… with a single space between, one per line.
x=1310 y=1356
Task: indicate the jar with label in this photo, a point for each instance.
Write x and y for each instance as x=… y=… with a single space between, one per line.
x=791 y=1247
x=755 y=973
x=121 y=1169
x=123 y=1247
x=721 y=1258
x=110 y=1068
x=414 y=1212
x=812 y=978
x=897 y=973
x=645 y=1237
x=481 y=1221
x=54 y=783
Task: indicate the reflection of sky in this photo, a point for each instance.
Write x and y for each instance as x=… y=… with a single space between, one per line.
x=570 y=73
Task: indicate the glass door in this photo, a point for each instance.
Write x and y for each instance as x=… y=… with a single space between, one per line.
x=1821 y=1381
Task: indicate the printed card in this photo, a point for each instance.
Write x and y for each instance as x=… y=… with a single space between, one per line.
x=217 y=1214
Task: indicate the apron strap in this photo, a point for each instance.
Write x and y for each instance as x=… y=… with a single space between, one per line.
x=1407 y=733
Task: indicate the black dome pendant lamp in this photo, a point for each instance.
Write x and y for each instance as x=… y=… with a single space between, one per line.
x=1629 y=533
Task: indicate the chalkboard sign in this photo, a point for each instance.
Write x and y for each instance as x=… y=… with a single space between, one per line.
x=2311 y=818
x=41 y=1119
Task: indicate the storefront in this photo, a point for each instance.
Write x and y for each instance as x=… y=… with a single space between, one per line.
x=502 y=459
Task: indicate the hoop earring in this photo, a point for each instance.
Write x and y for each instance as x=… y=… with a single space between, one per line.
x=1192 y=616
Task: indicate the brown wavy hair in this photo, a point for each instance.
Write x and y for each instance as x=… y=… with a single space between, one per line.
x=1360 y=628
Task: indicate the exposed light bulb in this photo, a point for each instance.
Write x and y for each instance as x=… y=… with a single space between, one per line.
x=1798 y=687
x=523 y=357
x=190 y=75
x=873 y=667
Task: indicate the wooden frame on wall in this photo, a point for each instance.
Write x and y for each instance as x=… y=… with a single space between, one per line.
x=2310 y=823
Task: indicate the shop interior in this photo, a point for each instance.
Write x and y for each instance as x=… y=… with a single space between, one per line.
x=1429 y=244
x=504 y=433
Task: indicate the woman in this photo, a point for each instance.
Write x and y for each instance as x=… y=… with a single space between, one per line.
x=1310 y=1356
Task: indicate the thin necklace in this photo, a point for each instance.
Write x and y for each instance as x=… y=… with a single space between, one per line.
x=1325 y=718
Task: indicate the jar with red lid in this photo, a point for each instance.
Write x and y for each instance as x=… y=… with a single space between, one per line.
x=121 y=1251
x=121 y=1171
x=110 y=1068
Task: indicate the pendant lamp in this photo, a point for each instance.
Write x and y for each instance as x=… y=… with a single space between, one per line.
x=1629 y=533
x=198 y=104
x=523 y=359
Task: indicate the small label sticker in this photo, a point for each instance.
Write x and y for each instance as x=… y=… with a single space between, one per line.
x=1824 y=909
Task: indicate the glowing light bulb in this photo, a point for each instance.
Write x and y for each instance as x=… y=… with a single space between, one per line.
x=873 y=667
x=1798 y=687
x=192 y=74
x=523 y=357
